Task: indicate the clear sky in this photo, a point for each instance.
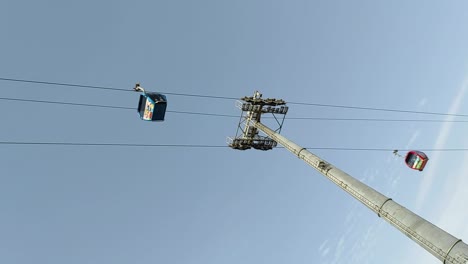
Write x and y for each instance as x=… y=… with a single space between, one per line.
x=94 y=205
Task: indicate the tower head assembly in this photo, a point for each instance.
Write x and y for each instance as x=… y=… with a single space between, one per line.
x=253 y=107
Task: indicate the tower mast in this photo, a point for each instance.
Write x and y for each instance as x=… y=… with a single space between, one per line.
x=436 y=241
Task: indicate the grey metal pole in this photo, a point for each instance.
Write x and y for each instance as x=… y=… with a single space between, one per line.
x=436 y=241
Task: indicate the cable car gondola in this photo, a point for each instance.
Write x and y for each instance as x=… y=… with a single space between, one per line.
x=152 y=106
x=416 y=160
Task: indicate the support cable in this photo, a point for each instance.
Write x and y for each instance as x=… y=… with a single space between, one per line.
x=233 y=98
x=197 y=146
x=236 y=116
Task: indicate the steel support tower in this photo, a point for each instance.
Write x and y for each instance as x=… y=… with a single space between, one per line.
x=436 y=241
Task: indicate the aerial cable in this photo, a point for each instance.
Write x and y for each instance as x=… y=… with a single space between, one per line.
x=108 y=106
x=236 y=116
x=64 y=103
x=379 y=109
x=199 y=146
x=110 y=144
x=376 y=119
x=66 y=84
x=112 y=88
x=234 y=98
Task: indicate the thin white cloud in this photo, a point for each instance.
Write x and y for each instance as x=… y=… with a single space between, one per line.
x=395 y=182
x=324 y=249
x=322 y=246
x=339 y=250
x=426 y=185
x=356 y=244
x=413 y=138
x=422 y=102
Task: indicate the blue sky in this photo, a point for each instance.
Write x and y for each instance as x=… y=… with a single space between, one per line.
x=176 y=205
